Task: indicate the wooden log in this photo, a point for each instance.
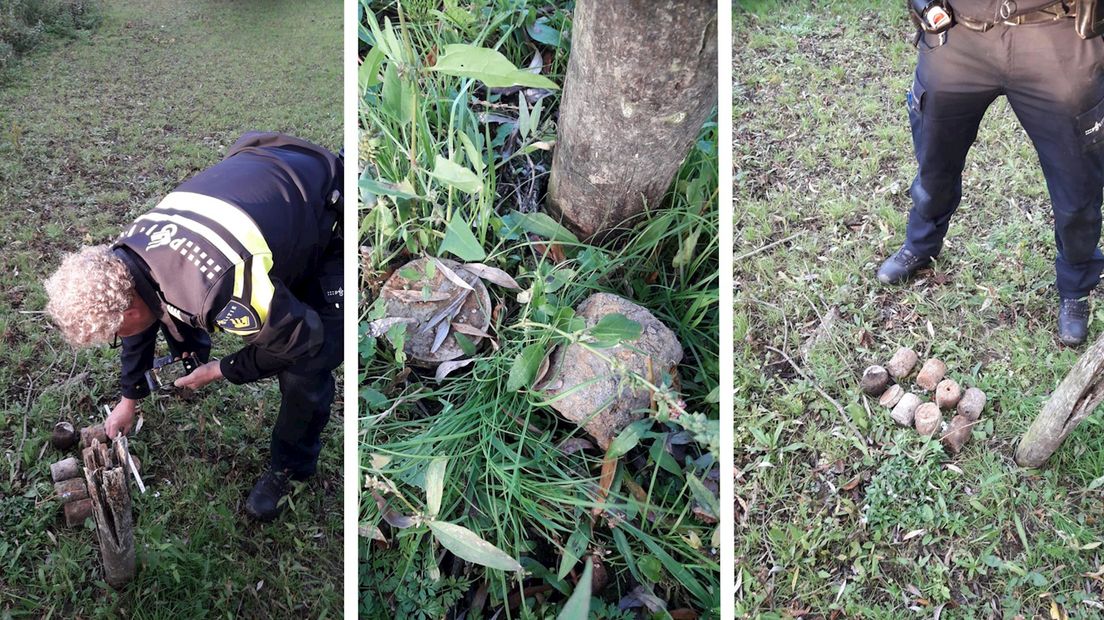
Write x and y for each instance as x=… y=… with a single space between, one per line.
x=971 y=404
x=111 y=507
x=947 y=393
x=65 y=469
x=902 y=363
x=931 y=374
x=76 y=512
x=90 y=433
x=928 y=419
x=1074 y=399
x=71 y=490
x=891 y=396
x=958 y=433
x=905 y=410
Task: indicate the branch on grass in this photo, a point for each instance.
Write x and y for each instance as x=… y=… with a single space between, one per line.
x=843 y=413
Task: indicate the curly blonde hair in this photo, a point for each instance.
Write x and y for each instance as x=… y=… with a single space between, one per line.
x=88 y=294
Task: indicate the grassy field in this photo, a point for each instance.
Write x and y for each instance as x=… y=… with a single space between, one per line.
x=480 y=449
x=92 y=133
x=839 y=512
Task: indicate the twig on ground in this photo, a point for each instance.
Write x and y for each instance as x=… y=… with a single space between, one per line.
x=764 y=248
x=816 y=386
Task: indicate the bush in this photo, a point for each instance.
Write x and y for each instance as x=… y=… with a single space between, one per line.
x=25 y=24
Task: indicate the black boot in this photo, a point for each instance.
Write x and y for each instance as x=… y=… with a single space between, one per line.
x=264 y=500
x=1073 y=321
x=901 y=266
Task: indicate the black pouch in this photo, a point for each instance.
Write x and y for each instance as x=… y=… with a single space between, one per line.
x=1091 y=125
x=1089 y=20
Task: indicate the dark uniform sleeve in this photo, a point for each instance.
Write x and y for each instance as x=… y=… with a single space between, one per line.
x=288 y=331
x=136 y=359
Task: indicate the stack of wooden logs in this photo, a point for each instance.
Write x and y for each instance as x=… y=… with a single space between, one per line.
x=102 y=492
x=909 y=409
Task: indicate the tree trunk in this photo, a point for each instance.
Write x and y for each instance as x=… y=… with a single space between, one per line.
x=1076 y=397
x=641 y=81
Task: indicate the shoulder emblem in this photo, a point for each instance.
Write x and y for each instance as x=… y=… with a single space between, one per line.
x=238 y=318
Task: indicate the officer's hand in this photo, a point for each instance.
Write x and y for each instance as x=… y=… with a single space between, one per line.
x=121 y=419
x=211 y=371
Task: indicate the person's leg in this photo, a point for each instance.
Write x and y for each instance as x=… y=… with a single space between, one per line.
x=1057 y=92
x=953 y=85
x=307 y=393
x=307 y=388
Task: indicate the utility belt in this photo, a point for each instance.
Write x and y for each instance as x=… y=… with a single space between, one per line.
x=1056 y=11
x=937 y=16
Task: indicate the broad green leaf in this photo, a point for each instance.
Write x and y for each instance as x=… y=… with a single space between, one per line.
x=523 y=115
x=435 y=485
x=628 y=438
x=614 y=329
x=383 y=187
x=487 y=66
x=474 y=156
x=373 y=399
x=460 y=241
x=453 y=174
x=578 y=606
x=535 y=116
x=703 y=495
x=542 y=225
x=466 y=345
x=540 y=31
x=398 y=96
x=651 y=567
x=467 y=545
x=525 y=367
x=368 y=73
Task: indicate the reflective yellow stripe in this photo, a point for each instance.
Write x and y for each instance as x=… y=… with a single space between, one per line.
x=239 y=280
x=230 y=217
x=205 y=232
x=244 y=231
x=262 y=291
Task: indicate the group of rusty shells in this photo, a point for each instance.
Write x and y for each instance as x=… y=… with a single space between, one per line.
x=910 y=409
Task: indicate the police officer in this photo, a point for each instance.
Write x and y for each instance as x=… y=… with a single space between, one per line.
x=250 y=246
x=1030 y=52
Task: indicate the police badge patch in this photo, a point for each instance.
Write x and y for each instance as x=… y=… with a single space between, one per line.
x=238 y=318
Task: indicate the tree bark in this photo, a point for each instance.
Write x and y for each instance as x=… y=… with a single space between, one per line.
x=1076 y=397
x=641 y=81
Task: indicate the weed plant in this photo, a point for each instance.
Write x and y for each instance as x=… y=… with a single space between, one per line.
x=514 y=472
x=26 y=24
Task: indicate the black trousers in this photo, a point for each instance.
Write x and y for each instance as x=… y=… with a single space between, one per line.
x=1054 y=82
x=306 y=387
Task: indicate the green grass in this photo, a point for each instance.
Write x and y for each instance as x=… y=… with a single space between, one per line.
x=507 y=478
x=92 y=133
x=823 y=161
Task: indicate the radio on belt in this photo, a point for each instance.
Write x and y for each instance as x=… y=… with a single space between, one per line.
x=935 y=15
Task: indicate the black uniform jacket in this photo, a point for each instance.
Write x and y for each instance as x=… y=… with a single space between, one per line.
x=225 y=250
x=990 y=10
